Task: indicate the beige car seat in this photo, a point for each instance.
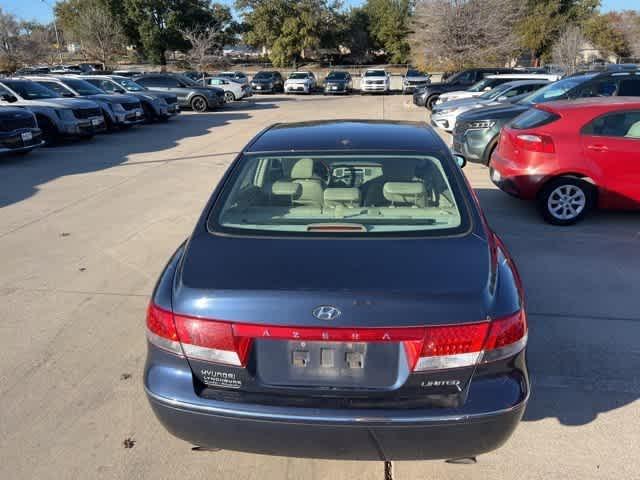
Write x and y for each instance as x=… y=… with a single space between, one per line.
x=312 y=187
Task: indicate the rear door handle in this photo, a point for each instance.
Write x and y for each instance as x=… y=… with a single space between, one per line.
x=598 y=148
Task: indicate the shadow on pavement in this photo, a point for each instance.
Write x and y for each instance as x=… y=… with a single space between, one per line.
x=20 y=176
x=581 y=284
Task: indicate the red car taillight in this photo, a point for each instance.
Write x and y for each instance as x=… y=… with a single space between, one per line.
x=535 y=143
x=427 y=348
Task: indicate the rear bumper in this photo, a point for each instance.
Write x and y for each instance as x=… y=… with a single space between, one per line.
x=493 y=409
x=513 y=180
x=419 y=438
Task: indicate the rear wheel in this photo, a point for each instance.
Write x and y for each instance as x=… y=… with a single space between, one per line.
x=49 y=131
x=229 y=97
x=490 y=151
x=199 y=104
x=565 y=200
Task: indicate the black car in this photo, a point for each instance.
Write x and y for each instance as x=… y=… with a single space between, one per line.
x=426 y=96
x=267 y=82
x=338 y=81
x=413 y=80
x=341 y=296
x=197 y=97
x=19 y=132
x=477 y=131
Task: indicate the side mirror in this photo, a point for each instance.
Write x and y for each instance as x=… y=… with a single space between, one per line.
x=68 y=95
x=7 y=97
x=120 y=90
x=460 y=160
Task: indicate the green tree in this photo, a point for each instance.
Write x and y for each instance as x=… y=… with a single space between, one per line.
x=389 y=27
x=158 y=23
x=93 y=25
x=546 y=20
x=356 y=34
x=290 y=29
x=603 y=32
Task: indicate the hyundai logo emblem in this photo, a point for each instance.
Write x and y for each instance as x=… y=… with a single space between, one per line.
x=326 y=312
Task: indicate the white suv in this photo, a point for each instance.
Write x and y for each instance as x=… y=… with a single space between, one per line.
x=375 y=80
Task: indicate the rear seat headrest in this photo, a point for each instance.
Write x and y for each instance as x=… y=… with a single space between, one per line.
x=342 y=196
x=302 y=169
x=412 y=193
x=289 y=189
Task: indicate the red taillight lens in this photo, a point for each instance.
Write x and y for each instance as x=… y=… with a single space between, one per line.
x=161 y=330
x=535 y=143
x=212 y=341
x=427 y=348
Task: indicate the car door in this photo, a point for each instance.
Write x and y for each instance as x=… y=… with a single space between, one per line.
x=611 y=144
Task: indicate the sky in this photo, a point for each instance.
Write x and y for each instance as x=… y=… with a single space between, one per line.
x=36 y=9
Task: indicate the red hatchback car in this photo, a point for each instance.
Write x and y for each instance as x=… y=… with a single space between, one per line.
x=571 y=156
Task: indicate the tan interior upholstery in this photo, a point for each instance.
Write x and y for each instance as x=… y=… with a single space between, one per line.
x=346 y=197
x=289 y=189
x=302 y=174
x=634 y=131
x=405 y=193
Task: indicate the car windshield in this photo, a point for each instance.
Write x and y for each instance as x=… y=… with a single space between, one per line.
x=345 y=194
x=187 y=81
x=263 y=75
x=374 y=73
x=130 y=85
x=82 y=87
x=337 y=76
x=30 y=90
x=482 y=84
x=555 y=91
x=414 y=73
x=496 y=92
x=298 y=76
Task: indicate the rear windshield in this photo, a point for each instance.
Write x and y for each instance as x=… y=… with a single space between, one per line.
x=533 y=118
x=346 y=194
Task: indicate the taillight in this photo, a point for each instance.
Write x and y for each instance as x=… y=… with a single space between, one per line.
x=426 y=348
x=212 y=341
x=535 y=143
x=161 y=329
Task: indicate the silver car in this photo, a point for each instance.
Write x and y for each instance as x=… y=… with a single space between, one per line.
x=57 y=117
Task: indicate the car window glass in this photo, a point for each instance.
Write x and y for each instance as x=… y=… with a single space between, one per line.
x=601 y=88
x=294 y=194
x=630 y=87
x=620 y=124
x=106 y=85
x=56 y=87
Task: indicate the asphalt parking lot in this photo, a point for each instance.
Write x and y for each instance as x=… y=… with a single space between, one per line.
x=85 y=228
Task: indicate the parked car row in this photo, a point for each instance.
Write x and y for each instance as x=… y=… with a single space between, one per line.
x=570 y=145
x=43 y=108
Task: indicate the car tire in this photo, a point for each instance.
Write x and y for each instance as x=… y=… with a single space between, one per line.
x=199 y=104
x=149 y=114
x=491 y=150
x=49 y=131
x=431 y=101
x=565 y=200
x=229 y=97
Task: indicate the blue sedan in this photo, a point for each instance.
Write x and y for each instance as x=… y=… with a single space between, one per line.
x=341 y=297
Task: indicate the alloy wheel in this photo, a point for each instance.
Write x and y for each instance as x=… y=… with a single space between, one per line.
x=566 y=202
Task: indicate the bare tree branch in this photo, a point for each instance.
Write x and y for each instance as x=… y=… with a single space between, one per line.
x=566 y=50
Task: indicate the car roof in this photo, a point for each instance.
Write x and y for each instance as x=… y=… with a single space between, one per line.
x=525 y=76
x=347 y=135
x=595 y=103
x=532 y=81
